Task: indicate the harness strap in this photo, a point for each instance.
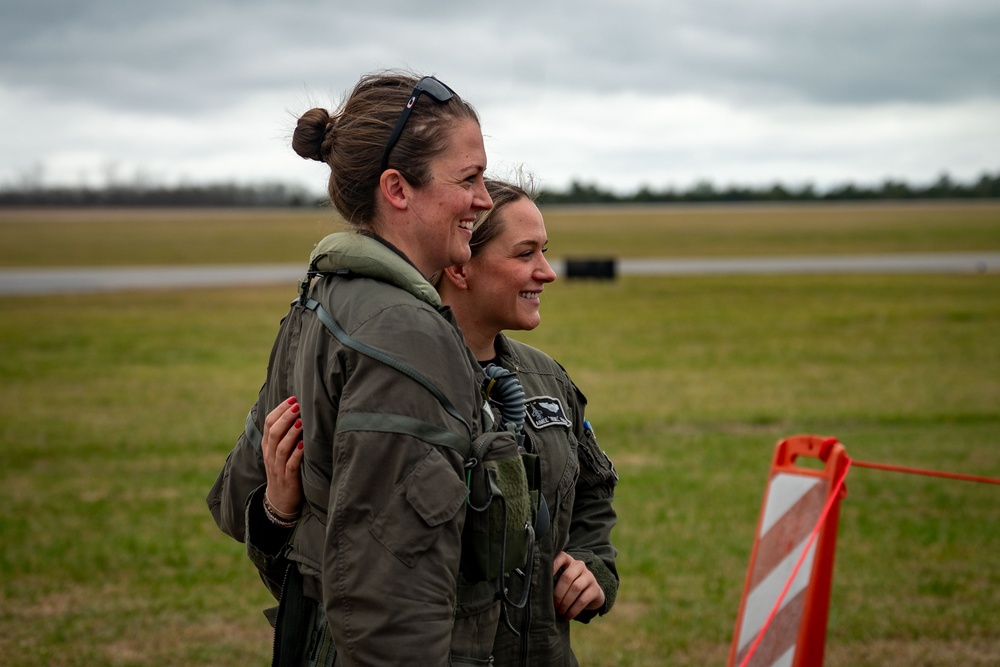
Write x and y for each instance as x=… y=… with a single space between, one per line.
x=390 y=423
x=253 y=434
x=378 y=355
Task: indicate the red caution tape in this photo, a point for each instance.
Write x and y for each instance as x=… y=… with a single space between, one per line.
x=929 y=473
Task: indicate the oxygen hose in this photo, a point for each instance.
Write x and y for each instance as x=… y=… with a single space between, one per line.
x=504 y=389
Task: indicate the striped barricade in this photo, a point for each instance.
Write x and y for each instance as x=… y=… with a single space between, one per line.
x=783 y=614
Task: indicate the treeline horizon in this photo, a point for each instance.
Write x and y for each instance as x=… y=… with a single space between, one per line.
x=278 y=195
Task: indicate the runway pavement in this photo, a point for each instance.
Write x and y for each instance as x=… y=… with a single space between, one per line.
x=83 y=280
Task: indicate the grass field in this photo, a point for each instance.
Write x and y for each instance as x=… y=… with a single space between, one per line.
x=117 y=411
x=228 y=236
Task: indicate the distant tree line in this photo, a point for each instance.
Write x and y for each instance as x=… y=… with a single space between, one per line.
x=986 y=187
x=280 y=195
x=194 y=196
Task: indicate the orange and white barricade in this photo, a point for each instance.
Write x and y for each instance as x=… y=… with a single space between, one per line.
x=783 y=614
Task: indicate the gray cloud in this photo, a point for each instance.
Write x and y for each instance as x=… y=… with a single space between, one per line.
x=844 y=52
x=189 y=60
x=184 y=54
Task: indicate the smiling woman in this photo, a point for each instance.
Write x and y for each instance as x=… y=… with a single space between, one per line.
x=385 y=523
x=572 y=570
x=499 y=289
x=436 y=166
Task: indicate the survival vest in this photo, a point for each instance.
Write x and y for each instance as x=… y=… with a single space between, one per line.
x=504 y=481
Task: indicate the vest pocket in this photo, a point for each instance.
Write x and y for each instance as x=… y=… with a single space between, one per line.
x=410 y=522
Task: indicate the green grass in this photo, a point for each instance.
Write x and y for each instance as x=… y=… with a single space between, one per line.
x=689 y=231
x=41 y=237
x=117 y=411
x=227 y=236
x=690 y=398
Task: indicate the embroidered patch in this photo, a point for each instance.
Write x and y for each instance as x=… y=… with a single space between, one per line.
x=546 y=411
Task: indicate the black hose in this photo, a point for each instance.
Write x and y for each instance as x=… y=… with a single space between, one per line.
x=505 y=390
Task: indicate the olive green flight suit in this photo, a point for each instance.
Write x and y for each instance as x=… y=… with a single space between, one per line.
x=379 y=542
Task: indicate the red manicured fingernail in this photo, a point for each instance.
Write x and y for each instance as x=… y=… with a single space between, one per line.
x=301 y=444
x=295 y=408
x=298 y=424
x=292 y=400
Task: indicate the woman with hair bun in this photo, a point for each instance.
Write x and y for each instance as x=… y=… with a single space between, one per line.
x=575 y=575
x=375 y=550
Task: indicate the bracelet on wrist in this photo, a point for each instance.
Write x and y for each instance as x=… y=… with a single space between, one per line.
x=278 y=518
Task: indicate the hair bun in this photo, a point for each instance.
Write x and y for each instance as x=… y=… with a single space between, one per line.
x=310 y=132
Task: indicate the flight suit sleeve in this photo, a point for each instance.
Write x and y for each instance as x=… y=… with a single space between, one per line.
x=266 y=543
x=235 y=499
x=241 y=474
x=236 y=504
x=594 y=515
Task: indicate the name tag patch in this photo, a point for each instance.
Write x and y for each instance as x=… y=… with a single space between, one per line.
x=544 y=411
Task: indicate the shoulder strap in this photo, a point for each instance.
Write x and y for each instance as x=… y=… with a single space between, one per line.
x=369 y=351
x=252 y=433
x=389 y=423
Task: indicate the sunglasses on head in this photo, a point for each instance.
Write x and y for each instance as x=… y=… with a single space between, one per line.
x=432 y=87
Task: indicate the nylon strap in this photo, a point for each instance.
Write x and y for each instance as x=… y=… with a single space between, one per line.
x=389 y=423
x=253 y=434
x=378 y=355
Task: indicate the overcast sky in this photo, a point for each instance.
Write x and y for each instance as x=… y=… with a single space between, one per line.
x=622 y=93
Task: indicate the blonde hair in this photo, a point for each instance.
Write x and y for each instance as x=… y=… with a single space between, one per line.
x=489 y=224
